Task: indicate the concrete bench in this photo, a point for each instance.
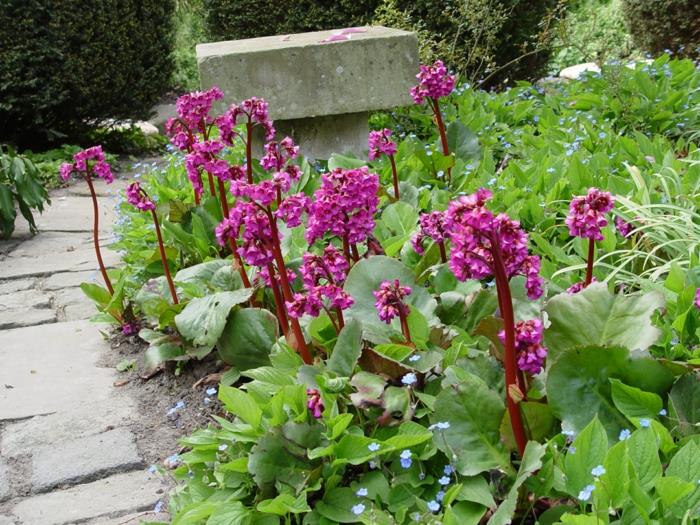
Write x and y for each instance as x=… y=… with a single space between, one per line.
x=320 y=85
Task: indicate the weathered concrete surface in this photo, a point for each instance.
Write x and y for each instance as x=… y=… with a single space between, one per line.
x=16 y=285
x=575 y=72
x=132 y=519
x=51 y=367
x=84 y=459
x=4 y=483
x=78 y=260
x=117 y=494
x=74 y=213
x=86 y=419
x=306 y=76
x=72 y=305
x=62 y=280
x=24 y=299
x=20 y=318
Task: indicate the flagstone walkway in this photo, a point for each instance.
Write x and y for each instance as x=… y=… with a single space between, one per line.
x=67 y=451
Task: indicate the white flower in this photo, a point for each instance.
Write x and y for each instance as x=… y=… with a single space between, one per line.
x=445 y=480
x=361 y=492
x=409 y=379
x=598 y=471
x=358 y=509
x=624 y=434
x=644 y=423
x=373 y=447
x=585 y=494
x=433 y=506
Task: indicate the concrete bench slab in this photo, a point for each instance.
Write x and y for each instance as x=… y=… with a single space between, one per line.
x=321 y=85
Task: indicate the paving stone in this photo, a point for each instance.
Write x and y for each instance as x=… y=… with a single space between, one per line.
x=118 y=494
x=53 y=242
x=4 y=484
x=85 y=419
x=82 y=259
x=24 y=299
x=84 y=459
x=74 y=303
x=16 y=285
x=7 y=520
x=74 y=213
x=131 y=519
x=102 y=189
x=25 y=308
x=51 y=368
x=61 y=280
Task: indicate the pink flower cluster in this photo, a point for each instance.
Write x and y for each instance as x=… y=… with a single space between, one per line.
x=432 y=225
x=136 y=196
x=433 y=82
x=323 y=277
x=194 y=108
x=344 y=205
x=577 y=287
x=81 y=165
x=204 y=155
x=256 y=248
x=380 y=143
x=625 y=228
x=390 y=300
x=314 y=402
x=528 y=345
x=587 y=214
x=697 y=297
x=475 y=235
x=254 y=110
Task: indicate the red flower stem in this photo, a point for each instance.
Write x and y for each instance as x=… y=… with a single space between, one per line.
x=279 y=302
x=287 y=289
x=395 y=177
x=212 y=188
x=249 y=151
x=355 y=253
x=222 y=196
x=404 y=328
x=341 y=319
x=238 y=263
x=443 y=253
x=589 y=264
x=163 y=258
x=443 y=135
x=346 y=250
x=196 y=196
x=509 y=358
x=96 y=234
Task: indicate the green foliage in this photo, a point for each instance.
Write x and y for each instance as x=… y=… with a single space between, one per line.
x=21 y=188
x=189 y=31
x=227 y=20
x=659 y=25
x=63 y=64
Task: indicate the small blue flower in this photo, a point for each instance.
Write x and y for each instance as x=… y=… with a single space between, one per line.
x=440 y=495
x=585 y=494
x=409 y=379
x=179 y=405
x=445 y=480
x=159 y=507
x=644 y=423
x=207 y=400
x=433 y=506
x=223 y=447
x=361 y=492
x=448 y=470
x=373 y=465
x=414 y=358
x=152 y=469
x=440 y=174
x=440 y=425
x=602 y=135
x=598 y=471
x=663 y=412
x=358 y=509
x=373 y=447
x=211 y=391
x=572 y=449
x=624 y=434
x=406 y=460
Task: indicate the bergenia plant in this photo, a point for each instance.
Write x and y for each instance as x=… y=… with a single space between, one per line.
x=137 y=197
x=87 y=163
x=487 y=245
x=586 y=219
x=434 y=83
x=431 y=226
x=390 y=304
x=380 y=143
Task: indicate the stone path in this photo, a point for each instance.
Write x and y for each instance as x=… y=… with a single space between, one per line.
x=67 y=453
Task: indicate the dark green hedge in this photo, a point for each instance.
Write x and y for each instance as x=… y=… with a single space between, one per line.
x=64 y=62
x=235 y=19
x=657 y=25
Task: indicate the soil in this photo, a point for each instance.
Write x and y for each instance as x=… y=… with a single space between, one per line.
x=159 y=423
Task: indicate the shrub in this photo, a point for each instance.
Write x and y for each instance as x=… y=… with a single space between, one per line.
x=231 y=20
x=478 y=37
x=657 y=25
x=76 y=61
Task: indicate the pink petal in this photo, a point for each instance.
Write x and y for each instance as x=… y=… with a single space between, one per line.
x=353 y=30
x=336 y=37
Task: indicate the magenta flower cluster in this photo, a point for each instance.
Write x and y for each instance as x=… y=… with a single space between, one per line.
x=380 y=143
x=344 y=205
x=577 y=287
x=476 y=234
x=314 y=402
x=530 y=351
x=697 y=297
x=587 y=214
x=433 y=82
x=625 y=228
x=431 y=226
x=251 y=224
x=136 y=196
x=390 y=300
x=82 y=165
x=323 y=277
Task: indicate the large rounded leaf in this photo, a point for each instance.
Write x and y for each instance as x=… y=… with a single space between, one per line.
x=578 y=384
x=248 y=338
x=594 y=316
x=366 y=276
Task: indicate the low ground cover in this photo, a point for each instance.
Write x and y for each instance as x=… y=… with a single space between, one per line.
x=496 y=318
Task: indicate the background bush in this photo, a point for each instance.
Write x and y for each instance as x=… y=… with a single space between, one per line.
x=235 y=19
x=657 y=25
x=62 y=63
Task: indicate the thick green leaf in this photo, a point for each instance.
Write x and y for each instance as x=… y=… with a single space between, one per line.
x=594 y=316
x=589 y=450
x=474 y=413
x=337 y=504
x=230 y=512
x=241 y=404
x=617 y=474
x=347 y=349
x=160 y=352
x=463 y=142
x=284 y=504
x=366 y=276
x=671 y=489
x=98 y=294
x=203 y=319
x=684 y=404
x=248 y=338
x=578 y=384
x=275 y=459
x=685 y=465
x=633 y=402
x=464 y=513
x=644 y=454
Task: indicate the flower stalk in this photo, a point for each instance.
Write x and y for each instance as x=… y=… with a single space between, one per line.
x=96 y=233
x=163 y=258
